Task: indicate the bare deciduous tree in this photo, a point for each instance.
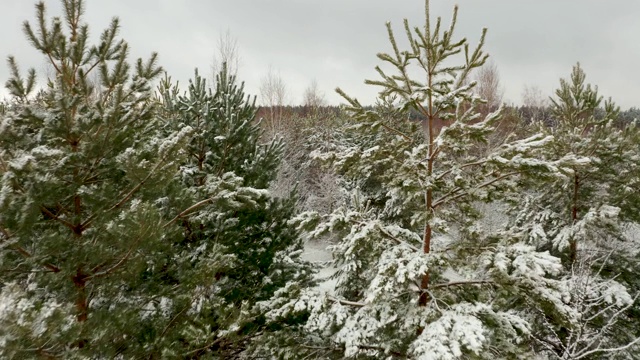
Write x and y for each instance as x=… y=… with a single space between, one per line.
x=535 y=102
x=226 y=52
x=596 y=305
x=533 y=97
x=489 y=87
x=313 y=97
x=273 y=95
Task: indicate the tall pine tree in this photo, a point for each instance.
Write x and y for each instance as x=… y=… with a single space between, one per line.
x=134 y=226
x=581 y=217
x=83 y=166
x=418 y=275
x=253 y=233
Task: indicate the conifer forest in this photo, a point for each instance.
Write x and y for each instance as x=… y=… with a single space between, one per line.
x=142 y=218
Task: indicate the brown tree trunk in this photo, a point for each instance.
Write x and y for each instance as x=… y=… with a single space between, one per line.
x=573 y=245
x=424 y=298
x=426 y=248
x=82 y=302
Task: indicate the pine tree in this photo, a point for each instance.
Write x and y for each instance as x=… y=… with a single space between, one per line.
x=242 y=223
x=417 y=274
x=134 y=226
x=83 y=167
x=581 y=218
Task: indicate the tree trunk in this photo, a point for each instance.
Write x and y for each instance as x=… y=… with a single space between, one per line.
x=82 y=302
x=573 y=245
x=424 y=298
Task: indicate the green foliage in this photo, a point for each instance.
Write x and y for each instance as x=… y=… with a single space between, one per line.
x=142 y=226
x=131 y=226
x=83 y=169
x=254 y=230
x=581 y=216
x=226 y=135
x=18 y=87
x=416 y=274
x=605 y=177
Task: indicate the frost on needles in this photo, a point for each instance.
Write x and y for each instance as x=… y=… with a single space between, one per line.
x=418 y=276
x=141 y=223
x=134 y=223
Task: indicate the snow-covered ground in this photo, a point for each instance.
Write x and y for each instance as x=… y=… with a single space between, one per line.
x=316 y=252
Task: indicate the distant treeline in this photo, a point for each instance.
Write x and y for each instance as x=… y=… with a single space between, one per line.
x=524 y=113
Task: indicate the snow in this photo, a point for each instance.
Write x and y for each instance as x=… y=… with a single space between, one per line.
x=617 y=294
x=20 y=161
x=456 y=330
x=316 y=252
x=397 y=268
x=43 y=151
x=512 y=286
x=171 y=141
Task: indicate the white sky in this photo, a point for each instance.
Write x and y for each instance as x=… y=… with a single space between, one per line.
x=533 y=42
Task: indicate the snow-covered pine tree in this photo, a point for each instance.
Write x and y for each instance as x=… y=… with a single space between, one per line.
x=242 y=222
x=582 y=217
x=418 y=277
x=130 y=227
x=607 y=180
x=84 y=165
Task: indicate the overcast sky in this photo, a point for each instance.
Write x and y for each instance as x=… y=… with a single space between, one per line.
x=532 y=42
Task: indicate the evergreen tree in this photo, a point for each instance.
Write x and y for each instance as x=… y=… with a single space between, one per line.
x=417 y=275
x=581 y=217
x=133 y=227
x=242 y=222
x=83 y=166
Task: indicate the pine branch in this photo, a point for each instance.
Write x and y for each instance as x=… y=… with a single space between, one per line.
x=112 y=268
x=173 y=320
x=313 y=347
x=383 y=350
x=98 y=267
x=53 y=63
x=22 y=251
x=5 y=232
x=445 y=196
x=117 y=264
x=3 y=165
x=424 y=111
x=394 y=130
x=401 y=242
x=463 y=166
x=346 y=302
x=444 y=199
x=462 y=283
x=189 y=210
x=73 y=228
x=206 y=346
x=128 y=196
